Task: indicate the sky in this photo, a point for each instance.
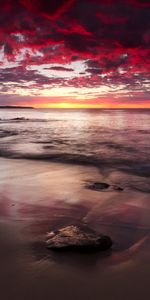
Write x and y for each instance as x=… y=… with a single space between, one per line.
x=75 y=53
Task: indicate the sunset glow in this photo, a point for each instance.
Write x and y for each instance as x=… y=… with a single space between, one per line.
x=66 y=105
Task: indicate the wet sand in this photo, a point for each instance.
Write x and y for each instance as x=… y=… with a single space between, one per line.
x=36 y=197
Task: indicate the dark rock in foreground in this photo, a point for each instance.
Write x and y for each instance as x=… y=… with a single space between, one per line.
x=80 y=238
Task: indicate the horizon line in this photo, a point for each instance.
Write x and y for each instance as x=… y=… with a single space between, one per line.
x=69 y=108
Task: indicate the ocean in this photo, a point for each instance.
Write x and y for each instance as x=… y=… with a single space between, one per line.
x=48 y=159
x=105 y=138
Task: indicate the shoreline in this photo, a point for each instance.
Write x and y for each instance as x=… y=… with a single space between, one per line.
x=16 y=107
x=33 y=186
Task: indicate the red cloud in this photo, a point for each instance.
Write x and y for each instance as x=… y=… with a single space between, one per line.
x=109 y=36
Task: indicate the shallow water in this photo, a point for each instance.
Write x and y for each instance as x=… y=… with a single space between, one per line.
x=118 y=138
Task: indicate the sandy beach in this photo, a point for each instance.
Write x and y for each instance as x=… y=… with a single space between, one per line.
x=36 y=197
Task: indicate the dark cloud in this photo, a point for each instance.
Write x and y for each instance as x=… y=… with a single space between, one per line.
x=107 y=64
x=49 y=9
x=20 y=77
x=57 y=68
x=93 y=70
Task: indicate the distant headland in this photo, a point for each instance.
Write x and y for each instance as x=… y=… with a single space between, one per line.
x=16 y=107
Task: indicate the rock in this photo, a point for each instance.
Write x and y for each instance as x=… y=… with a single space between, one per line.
x=79 y=238
x=100 y=186
x=97 y=186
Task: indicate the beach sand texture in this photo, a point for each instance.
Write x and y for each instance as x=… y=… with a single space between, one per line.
x=36 y=197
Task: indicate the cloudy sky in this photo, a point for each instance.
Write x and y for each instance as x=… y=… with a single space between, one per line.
x=75 y=53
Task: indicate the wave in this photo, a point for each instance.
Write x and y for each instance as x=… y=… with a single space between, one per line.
x=21 y=119
x=59 y=157
x=7 y=133
x=143 y=131
x=141 y=169
x=52 y=141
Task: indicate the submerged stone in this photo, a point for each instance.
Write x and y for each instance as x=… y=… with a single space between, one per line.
x=79 y=238
x=97 y=186
x=100 y=186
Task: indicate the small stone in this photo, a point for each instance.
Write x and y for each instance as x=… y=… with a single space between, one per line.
x=97 y=186
x=80 y=238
